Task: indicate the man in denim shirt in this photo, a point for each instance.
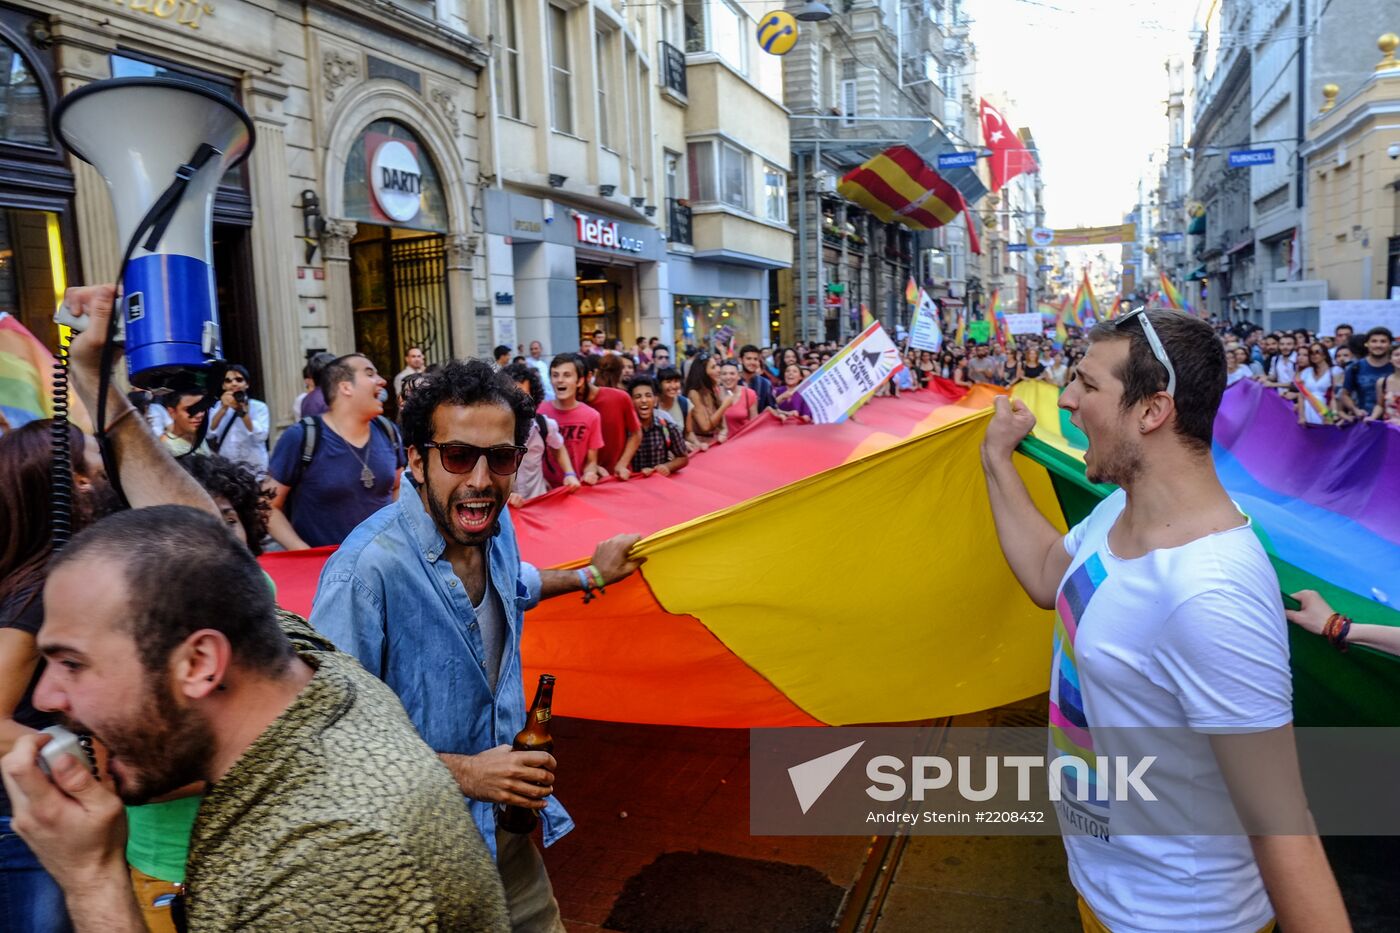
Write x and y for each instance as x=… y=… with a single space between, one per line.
x=430 y=592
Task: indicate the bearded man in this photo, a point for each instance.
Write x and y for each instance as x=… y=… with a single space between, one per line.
x=430 y=594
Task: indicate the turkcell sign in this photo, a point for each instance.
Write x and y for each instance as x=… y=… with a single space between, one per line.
x=607 y=233
x=957 y=160
x=1244 y=158
x=1017 y=247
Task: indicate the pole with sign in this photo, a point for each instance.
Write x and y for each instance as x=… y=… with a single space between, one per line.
x=957 y=160
x=1248 y=158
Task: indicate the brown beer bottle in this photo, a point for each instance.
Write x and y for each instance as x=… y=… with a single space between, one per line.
x=534 y=737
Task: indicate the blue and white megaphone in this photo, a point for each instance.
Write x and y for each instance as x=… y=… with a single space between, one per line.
x=162 y=145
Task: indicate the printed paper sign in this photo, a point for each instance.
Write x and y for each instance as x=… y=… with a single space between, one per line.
x=928 y=328
x=851 y=377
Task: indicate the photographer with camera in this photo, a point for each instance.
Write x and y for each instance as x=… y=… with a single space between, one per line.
x=238 y=425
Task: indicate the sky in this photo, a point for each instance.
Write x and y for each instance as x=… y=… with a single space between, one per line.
x=1087 y=77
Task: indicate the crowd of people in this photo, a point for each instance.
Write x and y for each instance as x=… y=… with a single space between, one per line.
x=339 y=781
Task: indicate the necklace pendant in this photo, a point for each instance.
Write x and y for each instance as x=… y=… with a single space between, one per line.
x=366 y=477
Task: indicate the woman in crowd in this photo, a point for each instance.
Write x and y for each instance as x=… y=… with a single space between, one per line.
x=947 y=364
x=629 y=368
x=28 y=895
x=1320 y=378
x=707 y=405
x=745 y=408
x=1032 y=367
x=789 y=399
x=1057 y=370
x=1236 y=366
x=1011 y=371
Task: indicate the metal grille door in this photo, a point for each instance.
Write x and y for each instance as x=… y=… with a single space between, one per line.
x=420 y=296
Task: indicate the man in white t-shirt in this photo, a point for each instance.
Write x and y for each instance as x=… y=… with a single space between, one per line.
x=1169 y=618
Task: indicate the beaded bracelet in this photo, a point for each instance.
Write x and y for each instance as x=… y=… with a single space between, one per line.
x=1336 y=630
x=586 y=585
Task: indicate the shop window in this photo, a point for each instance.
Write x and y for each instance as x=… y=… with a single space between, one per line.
x=360 y=201
x=711 y=323
x=24 y=118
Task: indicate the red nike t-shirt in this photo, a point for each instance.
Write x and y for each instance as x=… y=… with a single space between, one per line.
x=582 y=428
x=619 y=417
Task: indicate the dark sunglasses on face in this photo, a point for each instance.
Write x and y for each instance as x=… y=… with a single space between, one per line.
x=503 y=459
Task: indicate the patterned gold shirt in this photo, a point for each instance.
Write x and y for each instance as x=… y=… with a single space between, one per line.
x=339 y=818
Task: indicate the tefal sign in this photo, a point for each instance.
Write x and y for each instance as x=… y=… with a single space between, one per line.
x=605 y=233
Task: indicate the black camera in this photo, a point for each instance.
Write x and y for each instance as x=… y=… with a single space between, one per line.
x=241 y=397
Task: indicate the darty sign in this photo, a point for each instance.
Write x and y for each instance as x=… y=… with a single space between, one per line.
x=605 y=233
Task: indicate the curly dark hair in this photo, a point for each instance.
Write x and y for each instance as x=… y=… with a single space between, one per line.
x=465 y=383
x=524 y=372
x=221 y=476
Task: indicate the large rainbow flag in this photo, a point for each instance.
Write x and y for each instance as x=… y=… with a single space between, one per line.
x=870 y=586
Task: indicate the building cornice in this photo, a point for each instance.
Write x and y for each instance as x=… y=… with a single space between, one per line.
x=1349 y=124
x=386 y=17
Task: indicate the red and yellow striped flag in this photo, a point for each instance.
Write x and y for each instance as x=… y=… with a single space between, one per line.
x=898 y=187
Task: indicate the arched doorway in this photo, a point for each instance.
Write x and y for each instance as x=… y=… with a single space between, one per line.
x=398 y=258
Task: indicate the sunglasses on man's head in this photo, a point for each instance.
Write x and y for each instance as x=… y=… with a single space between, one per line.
x=503 y=459
x=1154 y=343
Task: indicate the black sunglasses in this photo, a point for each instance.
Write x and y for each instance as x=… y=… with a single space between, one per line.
x=503 y=459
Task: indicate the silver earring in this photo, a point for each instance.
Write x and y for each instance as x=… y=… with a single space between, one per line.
x=1142 y=429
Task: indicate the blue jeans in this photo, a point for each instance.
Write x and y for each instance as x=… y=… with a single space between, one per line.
x=30 y=900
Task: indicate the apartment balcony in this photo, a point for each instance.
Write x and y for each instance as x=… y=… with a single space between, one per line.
x=678 y=222
x=673 y=76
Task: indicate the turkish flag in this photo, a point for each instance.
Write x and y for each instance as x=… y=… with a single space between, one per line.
x=1009 y=157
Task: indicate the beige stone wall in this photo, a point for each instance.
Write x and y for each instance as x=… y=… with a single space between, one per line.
x=1351 y=207
x=303 y=75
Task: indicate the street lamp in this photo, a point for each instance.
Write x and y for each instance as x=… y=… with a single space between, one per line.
x=814 y=11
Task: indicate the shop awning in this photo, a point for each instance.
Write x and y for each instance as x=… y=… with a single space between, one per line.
x=1197 y=273
x=1198 y=226
x=1242 y=244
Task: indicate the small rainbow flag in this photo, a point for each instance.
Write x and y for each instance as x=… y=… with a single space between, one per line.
x=1318 y=406
x=999 y=324
x=1083 y=307
x=26 y=373
x=911 y=293
x=866 y=318
x=961 y=336
x=1173 y=296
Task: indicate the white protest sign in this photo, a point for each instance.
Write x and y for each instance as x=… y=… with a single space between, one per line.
x=1361 y=315
x=928 y=329
x=851 y=377
x=1028 y=323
